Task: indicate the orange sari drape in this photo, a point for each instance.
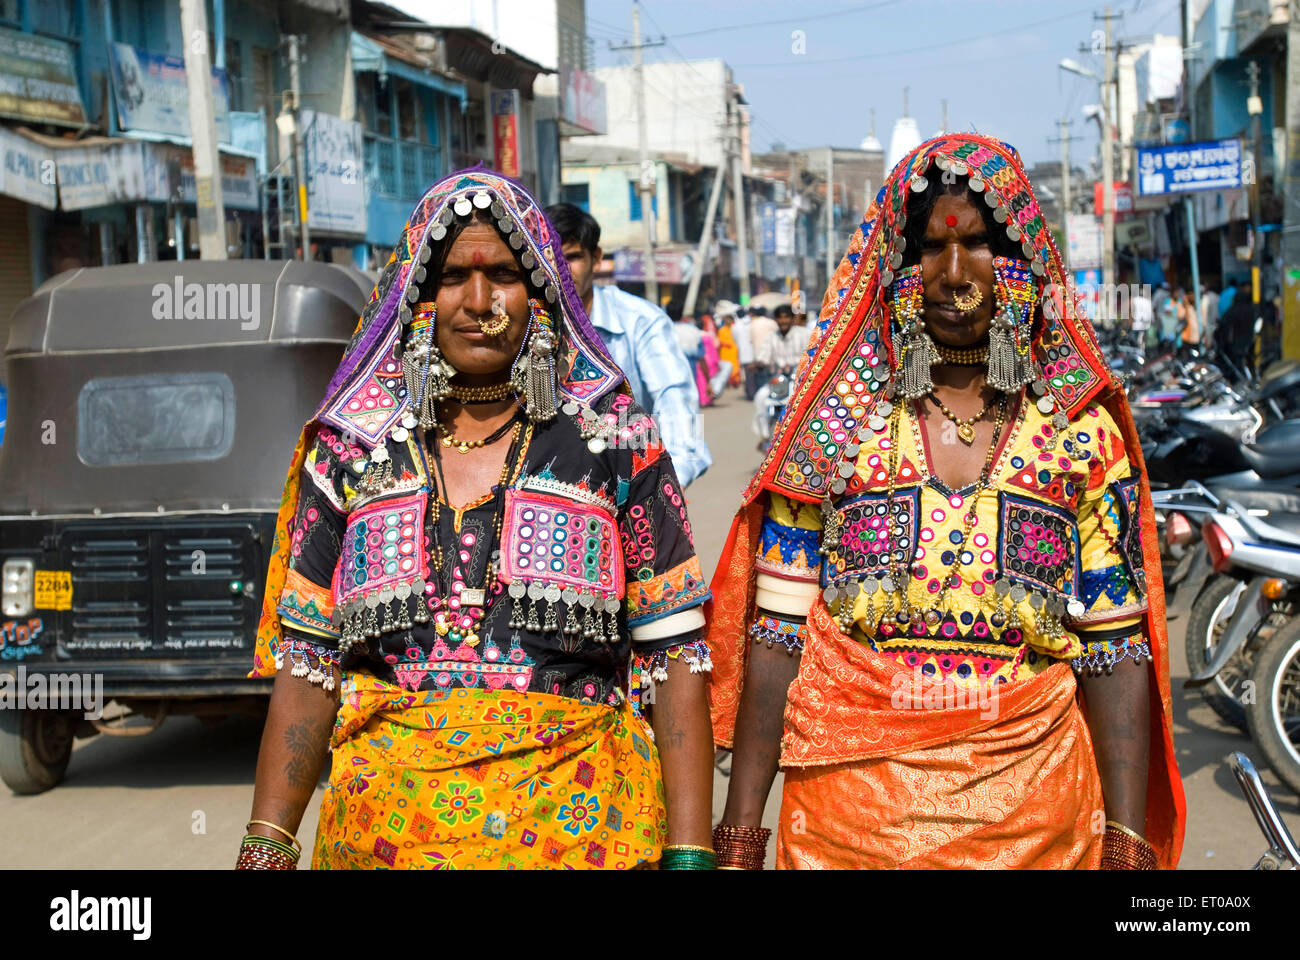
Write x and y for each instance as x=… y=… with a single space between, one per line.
x=886 y=769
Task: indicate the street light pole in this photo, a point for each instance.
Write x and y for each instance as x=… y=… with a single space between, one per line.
x=646 y=184
x=1108 y=165
x=1255 y=107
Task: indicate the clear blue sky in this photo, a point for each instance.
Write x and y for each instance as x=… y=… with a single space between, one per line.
x=994 y=60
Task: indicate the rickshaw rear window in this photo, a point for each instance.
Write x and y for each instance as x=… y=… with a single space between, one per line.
x=160 y=418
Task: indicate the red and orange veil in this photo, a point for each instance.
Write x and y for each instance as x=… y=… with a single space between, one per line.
x=844 y=376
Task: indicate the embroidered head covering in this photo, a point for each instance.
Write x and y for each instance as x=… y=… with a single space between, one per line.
x=366 y=397
x=843 y=377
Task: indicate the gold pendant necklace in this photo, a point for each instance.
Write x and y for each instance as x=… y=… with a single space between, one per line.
x=965 y=428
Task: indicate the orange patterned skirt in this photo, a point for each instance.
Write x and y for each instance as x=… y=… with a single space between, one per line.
x=886 y=769
x=484 y=779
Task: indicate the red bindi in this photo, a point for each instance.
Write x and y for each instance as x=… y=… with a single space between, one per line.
x=478 y=256
x=950 y=220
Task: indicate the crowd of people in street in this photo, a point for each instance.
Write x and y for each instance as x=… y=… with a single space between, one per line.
x=1172 y=319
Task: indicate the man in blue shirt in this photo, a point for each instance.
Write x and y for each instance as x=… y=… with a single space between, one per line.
x=642 y=341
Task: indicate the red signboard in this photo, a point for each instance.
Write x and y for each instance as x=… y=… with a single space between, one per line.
x=1123 y=197
x=505 y=131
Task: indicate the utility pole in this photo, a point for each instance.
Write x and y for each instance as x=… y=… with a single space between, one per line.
x=944 y=103
x=1291 y=194
x=738 y=188
x=646 y=182
x=706 y=241
x=1108 y=163
x=203 y=133
x=1255 y=107
x=830 y=213
x=299 y=153
x=1064 y=140
x=1189 y=208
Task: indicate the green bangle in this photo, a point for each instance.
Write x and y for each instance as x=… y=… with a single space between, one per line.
x=688 y=859
x=257 y=840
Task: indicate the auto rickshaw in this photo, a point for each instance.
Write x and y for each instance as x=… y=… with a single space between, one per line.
x=152 y=412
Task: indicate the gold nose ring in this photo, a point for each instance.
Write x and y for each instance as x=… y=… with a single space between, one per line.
x=500 y=320
x=970 y=300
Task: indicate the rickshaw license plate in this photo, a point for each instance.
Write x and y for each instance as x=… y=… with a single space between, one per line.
x=53 y=589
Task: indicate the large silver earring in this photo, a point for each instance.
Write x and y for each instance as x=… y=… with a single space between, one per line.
x=427 y=374
x=1015 y=296
x=533 y=374
x=912 y=345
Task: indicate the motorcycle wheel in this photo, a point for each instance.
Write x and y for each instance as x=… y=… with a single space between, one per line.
x=1211 y=612
x=1273 y=714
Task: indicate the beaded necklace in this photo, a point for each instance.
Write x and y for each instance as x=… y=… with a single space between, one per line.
x=897 y=576
x=460 y=610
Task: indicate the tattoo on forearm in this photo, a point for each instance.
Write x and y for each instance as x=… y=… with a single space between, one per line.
x=305 y=745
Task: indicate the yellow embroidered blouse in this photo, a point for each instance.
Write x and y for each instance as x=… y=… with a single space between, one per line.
x=1056 y=530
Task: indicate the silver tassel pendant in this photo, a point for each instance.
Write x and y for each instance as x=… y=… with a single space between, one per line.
x=919 y=355
x=1009 y=370
x=539 y=394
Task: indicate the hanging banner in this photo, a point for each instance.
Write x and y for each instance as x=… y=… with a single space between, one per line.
x=785 y=221
x=151 y=93
x=38 y=80
x=336 y=190
x=767 y=222
x=505 y=131
x=671 y=266
x=1182 y=168
x=1083 y=241
x=584 y=99
x=28 y=171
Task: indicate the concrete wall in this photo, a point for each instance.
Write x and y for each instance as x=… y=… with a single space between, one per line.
x=686 y=108
x=609 y=204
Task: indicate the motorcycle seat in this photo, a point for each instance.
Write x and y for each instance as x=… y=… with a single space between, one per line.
x=1272 y=461
x=1285 y=528
x=1276 y=498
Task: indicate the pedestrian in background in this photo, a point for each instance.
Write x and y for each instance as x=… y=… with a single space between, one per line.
x=745 y=350
x=761 y=326
x=728 y=352
x=641 y=340
x=785 y=347
x=1190 y=325
x=1209 y=314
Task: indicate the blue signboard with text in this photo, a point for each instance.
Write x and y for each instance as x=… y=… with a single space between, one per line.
x=1186 y=167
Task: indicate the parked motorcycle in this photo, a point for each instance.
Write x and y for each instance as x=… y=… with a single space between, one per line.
x=1250 y=568
x=1231 y=434
x=1282 y=853
x=1273 y=713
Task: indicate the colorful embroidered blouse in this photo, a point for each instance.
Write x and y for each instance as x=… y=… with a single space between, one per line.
x=1057 y=525
x=599 y=543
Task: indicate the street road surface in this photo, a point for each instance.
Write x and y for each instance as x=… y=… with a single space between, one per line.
x=179 y=798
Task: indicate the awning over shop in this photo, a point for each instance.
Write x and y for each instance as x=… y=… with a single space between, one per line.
x=368 y=56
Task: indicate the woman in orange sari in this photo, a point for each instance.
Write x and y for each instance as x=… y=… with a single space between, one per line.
x=940 y=607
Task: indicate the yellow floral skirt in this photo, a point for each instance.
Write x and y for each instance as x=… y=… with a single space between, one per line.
x=483 y=779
